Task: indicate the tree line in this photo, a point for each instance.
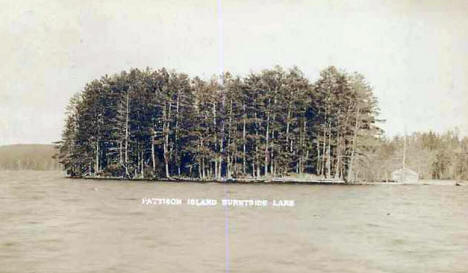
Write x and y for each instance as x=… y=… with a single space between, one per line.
x=163 y=124
x=28 y=157
x=432 y=155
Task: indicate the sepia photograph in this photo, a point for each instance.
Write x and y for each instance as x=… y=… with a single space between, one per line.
x=233 y=136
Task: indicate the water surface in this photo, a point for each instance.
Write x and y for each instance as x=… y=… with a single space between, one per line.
x=51 y=224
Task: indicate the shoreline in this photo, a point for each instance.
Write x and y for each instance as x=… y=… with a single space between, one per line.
x=274 y=181
x=267 y=181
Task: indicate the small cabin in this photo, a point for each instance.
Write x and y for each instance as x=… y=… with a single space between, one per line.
x=405 y=175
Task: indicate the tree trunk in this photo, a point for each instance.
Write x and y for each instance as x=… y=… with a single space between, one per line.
x=288 y=120
x=257 y=163
x=120 y=153
x=176 y=136
x=244 y=142
x=338 y=157
x=199 y=159
x=329 y=152
x=318 y=165
x=267 y=138
x=215 y=141
x=96 y=168
x=166 y=141
x=153 y=153
x=324 y=145
x=142 y=164
x=126 y=134
x=356 y=127
x=305 y=152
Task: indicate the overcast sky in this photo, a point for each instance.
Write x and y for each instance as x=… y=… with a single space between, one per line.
x=414 y=53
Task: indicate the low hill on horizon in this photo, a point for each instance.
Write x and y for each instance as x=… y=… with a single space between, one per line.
x=28 y=157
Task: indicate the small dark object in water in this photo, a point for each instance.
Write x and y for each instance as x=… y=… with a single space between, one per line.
x=388 y=213
x=457 y=184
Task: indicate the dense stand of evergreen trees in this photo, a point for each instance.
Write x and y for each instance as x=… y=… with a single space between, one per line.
x=159 y=123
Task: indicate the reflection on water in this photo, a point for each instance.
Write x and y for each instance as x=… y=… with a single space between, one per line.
x=52 y=224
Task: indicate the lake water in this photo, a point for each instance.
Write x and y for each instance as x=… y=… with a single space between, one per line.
x=52 y=224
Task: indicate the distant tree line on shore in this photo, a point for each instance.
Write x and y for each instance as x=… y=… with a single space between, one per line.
x=432 y=155
x=163 y=124
x=28 y=157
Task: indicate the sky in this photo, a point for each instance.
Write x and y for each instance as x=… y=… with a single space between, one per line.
x=413 y=53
